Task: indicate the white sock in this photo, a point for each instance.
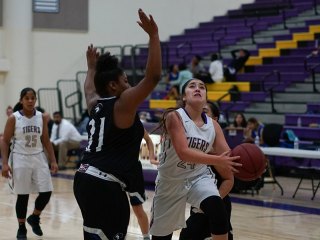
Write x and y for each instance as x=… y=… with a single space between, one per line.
x=146 y=236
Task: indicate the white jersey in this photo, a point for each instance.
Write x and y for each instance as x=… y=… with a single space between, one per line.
x=27 y=134
x=171 y=167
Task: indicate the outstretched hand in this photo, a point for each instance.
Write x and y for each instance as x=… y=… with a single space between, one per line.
x=147 y=23
x=92 y=56
x=230 y=162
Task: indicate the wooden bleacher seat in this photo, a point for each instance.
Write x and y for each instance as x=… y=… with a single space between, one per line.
x=225 y=86
x=215 y=92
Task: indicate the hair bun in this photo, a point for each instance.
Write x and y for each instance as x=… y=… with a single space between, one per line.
x=106 y=62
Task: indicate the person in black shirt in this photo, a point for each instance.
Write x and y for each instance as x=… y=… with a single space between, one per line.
x=110 y=165
x=239 y=58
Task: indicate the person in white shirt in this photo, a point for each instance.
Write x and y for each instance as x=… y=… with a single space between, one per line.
x=216 y=68
x=64 y=136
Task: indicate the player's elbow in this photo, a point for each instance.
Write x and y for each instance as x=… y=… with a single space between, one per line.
x=184 y=155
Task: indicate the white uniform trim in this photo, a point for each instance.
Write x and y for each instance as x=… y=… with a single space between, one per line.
x=99 y=174
x=95 y=231
x=137 y=195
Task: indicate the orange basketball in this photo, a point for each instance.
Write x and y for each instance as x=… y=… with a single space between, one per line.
x=252 y=159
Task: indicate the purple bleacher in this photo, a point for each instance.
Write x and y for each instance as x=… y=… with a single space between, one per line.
x=200 y=37
x=293 y=59
x=306 y=119
x=144 y=105
x=287 y=77
x=305 y=133
x=158 y=94
x=313 y=107
x=290 y=63
x=240 y=106
x=280 y=67
x=253 y=96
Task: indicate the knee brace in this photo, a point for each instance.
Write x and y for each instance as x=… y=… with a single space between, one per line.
x=168 y=237
x=22 y=206
x=42 y=200
x=214 y=208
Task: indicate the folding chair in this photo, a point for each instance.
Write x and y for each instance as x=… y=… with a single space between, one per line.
x=308 y=173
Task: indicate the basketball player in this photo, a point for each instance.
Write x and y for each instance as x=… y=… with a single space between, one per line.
x=28 y=167
x=110 y=165
x=183 y=174
x=135 y=201
x=198 y=223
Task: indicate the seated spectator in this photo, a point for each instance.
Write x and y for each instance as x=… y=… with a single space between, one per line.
x=46 y=115
x=173 y=75
x=64 y=137
x=144 y=116
x=184 y=76
x=254 y=128
x=216 y=68
x=196 y=66
x=82 y=125
x=239 y=121
x=9 y=111
x=239 y=58
x=212 y=110
x=198 y=70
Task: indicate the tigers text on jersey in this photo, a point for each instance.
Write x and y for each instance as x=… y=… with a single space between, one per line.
x=27 y=134
x=199 y=138
x=111 y=149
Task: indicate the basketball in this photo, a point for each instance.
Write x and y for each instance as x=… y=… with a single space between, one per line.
x=252 y=159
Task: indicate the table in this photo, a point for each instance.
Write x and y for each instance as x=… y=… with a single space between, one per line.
x=296 y=153
x=290 y=152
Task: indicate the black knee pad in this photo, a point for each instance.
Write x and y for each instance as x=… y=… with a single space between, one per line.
x=22 y=205
x=42 y=200
x=214 y=208
x=168 y=237
x=197 y=227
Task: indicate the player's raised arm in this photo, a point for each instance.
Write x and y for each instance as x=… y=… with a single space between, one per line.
x=131 y=98
x=89 y=87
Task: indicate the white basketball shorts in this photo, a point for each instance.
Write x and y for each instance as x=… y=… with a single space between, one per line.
x=30 y=173
x=169 y=203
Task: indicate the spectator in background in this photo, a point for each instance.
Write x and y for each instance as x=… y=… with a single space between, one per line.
x=144 y=116
x=136 y=202
x=173 y=75
x=184 y=75
x=64 y=136
x=82 y=125
x=254 y=128
x=216 y=68
x=47 y=116
x=239 y=121
x=9 y=111
x=239 y=58
x=196 y=66
x=198 y=70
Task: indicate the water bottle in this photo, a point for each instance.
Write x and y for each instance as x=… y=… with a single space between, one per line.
x=257 y=141
x=299 y=122
x=296 y=143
